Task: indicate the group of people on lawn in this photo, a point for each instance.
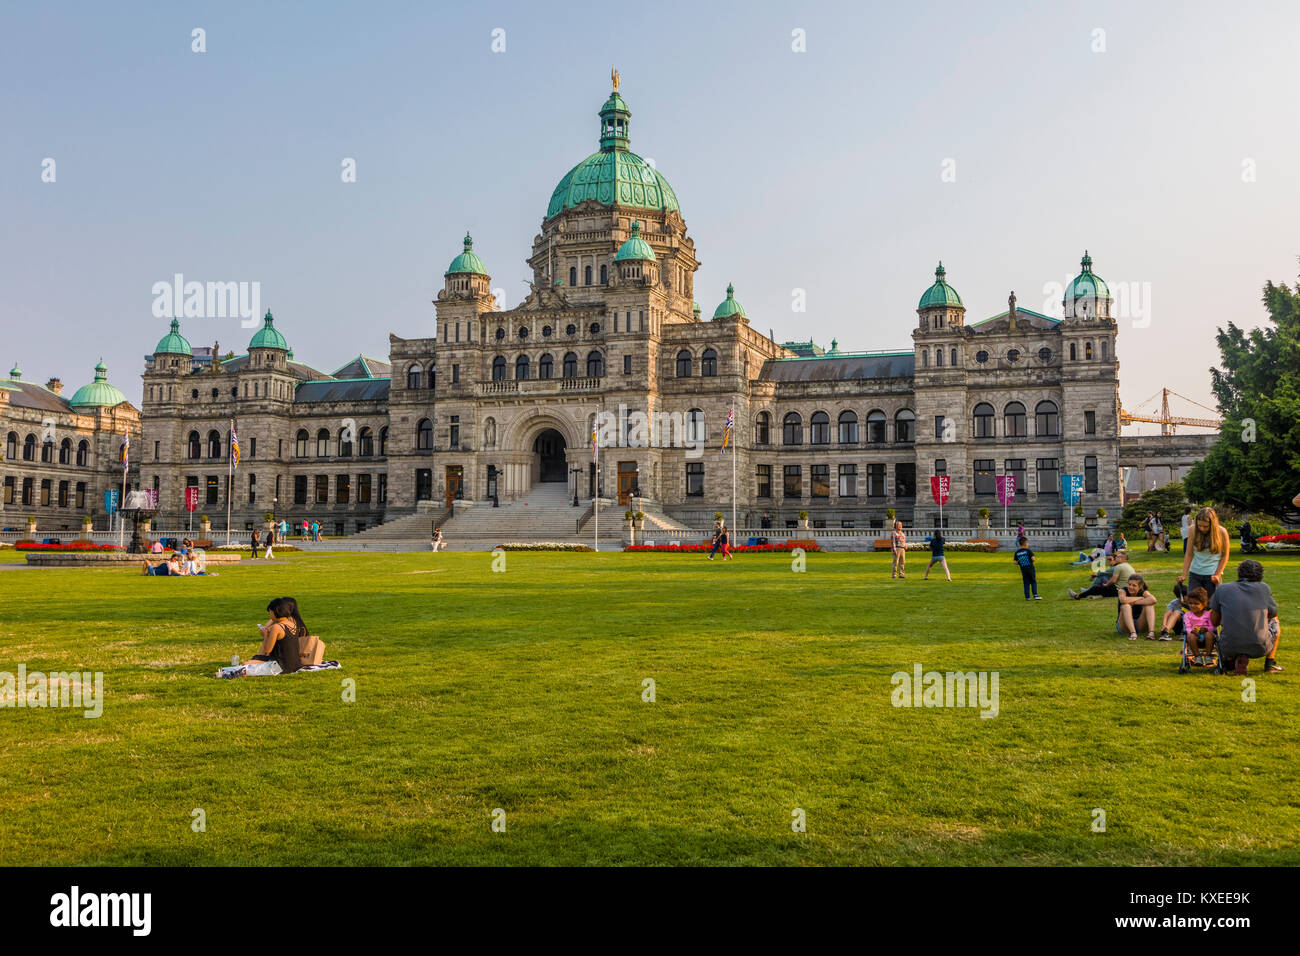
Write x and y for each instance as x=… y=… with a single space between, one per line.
x=185 y=561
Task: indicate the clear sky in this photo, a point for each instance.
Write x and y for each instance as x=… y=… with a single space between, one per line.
x=1002 y=138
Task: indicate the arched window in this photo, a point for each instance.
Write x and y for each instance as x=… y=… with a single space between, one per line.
x=938 y=358
x=1074 y=352
x=300 y=443
x=65 y=452
x=1104 y=349
x=214 y=444
x=433 y=377
x=925 y=358
x=792 y=429
x=521 y=368
x=820 y=429
x=545 y=366
x=683 y=364
x=695 y=425
x=345 y=447
x=1047 y=420
x=383 y=440
x=595 y=365
x=848 y=428
x=367 y=443
x=983 y=420
x=905 y=425
x=195 y=446
x=499 y=369
x=11 y=446
x=1087 y=351
x=763 y=429
x=604 y=275
x=953 y=356
x=323 y=443
x=573 y=275
x=29 y=448
x=413 y=377
x=83 y=451
x=1013 y=421
x=709 y=363
x=586 y=275
x=875 y=426
x=424 y=435
x=570 y=369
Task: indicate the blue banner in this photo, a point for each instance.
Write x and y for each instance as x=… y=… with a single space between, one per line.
x=1071 y=486
x=110 y=500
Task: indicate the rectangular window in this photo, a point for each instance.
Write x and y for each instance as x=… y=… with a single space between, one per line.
x=212 y=490
x=300 y=489
x=848 y=523
x=1049 y=478
x=363 y=489
x=9 y=489
x=454 y=437
x=1016 y=468
x=941 y=466
x=322 y=489
x=985 y=476
x=1090 y=474
x=81 y=494
x=764 y=481
x=1089 y=422
x=695 y=479
x=848 y=481
x=252 y=489
x=155 y=451
x=938 y=426
x=382 y=493
x=46 y=484
x=29 y=491
x=905 y=480
x=627 y=365
x=342 y=489
x=876 y=480
x=821 y=481
x=455 y=373
x=63 y=494
x=252 y=448
x=793 y=481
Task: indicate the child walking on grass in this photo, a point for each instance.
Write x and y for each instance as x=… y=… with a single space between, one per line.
x=1025 y=561
x=936 y=555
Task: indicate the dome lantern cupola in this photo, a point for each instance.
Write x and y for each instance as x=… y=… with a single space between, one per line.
x=15 y=373
x=635 y=260
x=940 y=305
x=467 y=275
x=268 y=346
x=730 y=307
x=98 y=393
x=173 y=343
x=1087 y=296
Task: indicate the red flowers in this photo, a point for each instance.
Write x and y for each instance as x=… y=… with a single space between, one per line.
x=66 y=546
x=1289 y=538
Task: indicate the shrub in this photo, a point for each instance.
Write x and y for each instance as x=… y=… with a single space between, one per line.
x=1078 y=510
x=268 y=516
x=543 y=546
x=984 y=513
x=717 y=516
x=889 y=515
x=629 y=515
x=803 y=516
x=1101 y=513
x=203 y=518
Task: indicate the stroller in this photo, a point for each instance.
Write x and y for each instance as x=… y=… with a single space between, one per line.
x=1249 y=540
x=1190 y=656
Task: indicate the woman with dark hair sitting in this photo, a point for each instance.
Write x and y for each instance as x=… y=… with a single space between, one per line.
x=282 y=634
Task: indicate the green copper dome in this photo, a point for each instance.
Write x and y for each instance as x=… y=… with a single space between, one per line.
x=15 y=373
x=467 y=261
x=1087 y=283
x=941 y=294
x=615 y=176
x=730 y=305
x=173 y=342
x=269 y=337
x=97 y=393
x=635 y=247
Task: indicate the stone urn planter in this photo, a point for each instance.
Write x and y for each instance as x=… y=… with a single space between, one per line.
x=86 y=526
x=1080 y=533
x=803 y=521
x=146 y=524
x=205 y=527
x=31 y=528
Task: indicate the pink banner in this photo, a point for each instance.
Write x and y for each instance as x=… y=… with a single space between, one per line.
x=939 y=486
x=1006 y=489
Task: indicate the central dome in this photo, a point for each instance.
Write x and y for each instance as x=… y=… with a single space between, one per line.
x=615 y=176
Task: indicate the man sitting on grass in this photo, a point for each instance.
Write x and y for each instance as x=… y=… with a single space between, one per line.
x=1112 y=583
x=1245 y=612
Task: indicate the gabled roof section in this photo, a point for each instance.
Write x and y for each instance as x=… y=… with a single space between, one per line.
x=843 y=366
x=30 y=395
x=997 y=323
x=364 y=367
x=343 y=390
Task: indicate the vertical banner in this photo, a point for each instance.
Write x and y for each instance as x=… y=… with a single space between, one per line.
x=1071 y=487
x=191 y=499
x=1006 y=494
x=110 y=501
x=940 y=486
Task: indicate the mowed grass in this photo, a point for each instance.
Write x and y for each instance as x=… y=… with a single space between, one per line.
x=523 y=691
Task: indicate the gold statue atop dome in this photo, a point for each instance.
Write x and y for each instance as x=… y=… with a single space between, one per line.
x=613 y=78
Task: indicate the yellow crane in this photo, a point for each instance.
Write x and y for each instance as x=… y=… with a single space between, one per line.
x=1169 y=423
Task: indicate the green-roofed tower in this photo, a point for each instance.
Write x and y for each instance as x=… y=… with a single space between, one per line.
x=99 y=393
x=730 y=306
x=1087 y=296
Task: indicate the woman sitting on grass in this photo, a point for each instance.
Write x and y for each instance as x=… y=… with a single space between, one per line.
x=281 y=634
x=1137 y=608
x=164 y=569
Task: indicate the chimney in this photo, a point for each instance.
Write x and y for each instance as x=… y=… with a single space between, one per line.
x=55 y=385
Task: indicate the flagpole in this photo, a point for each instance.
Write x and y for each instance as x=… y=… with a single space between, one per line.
x=735 y=529
x=121 y=528
x=230 y=478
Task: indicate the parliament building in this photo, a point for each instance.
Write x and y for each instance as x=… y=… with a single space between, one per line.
x=493 y=403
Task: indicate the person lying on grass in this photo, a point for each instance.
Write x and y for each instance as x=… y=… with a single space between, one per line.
x=281 y=633
x=1137 y=608
x=171 y=567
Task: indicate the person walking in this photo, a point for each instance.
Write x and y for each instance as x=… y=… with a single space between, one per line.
x=936 y=555
x=284 y=530
x=1185 y=527
x=1208 y=553
x=304 y=529
x=256 y=542
x=898 y=545
x=270 y=541
x=315 y=530
x=436 y=542
x=1024 y=559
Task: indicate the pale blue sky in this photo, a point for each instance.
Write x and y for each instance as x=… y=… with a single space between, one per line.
x=818 y=170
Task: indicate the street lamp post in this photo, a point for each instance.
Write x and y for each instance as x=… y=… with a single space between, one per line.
x=575 y=471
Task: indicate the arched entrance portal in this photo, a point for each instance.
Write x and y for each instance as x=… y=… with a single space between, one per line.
x=549 y=447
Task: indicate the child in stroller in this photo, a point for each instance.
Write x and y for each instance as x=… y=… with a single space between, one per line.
x=1172 y=623
x=1198 y=633
x=1249 y=540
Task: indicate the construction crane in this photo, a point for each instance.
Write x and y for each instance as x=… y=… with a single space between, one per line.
x=1169 y=423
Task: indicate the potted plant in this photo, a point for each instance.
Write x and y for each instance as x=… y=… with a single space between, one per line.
x=889 y=516
x=31 y=527
x=87 y=523
x=984 y=519
x=205 y=526
x=803 y=521
x=1101 y=514
x=638 y=518
x=717 y=516
x=629 y=516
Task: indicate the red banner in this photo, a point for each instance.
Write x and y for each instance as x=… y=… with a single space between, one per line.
x=1006 y=489
x=939 y=486
x=191 y=499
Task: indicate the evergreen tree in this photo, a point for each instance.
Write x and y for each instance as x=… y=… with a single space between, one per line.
x=1256 y=463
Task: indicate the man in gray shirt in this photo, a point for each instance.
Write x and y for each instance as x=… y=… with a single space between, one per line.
x=1246 y=615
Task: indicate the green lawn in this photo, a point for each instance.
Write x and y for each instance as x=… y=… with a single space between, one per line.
x=523 y=691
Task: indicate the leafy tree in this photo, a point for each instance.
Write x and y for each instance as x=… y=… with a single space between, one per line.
x=1169 y=500
x=1256 y=463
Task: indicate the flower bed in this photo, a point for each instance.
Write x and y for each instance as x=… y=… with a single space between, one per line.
x=67 y=546
x=1291 y=537
x=542 y=546
x=740 y=548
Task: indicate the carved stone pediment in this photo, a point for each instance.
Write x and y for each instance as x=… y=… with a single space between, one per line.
x=540 y=298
